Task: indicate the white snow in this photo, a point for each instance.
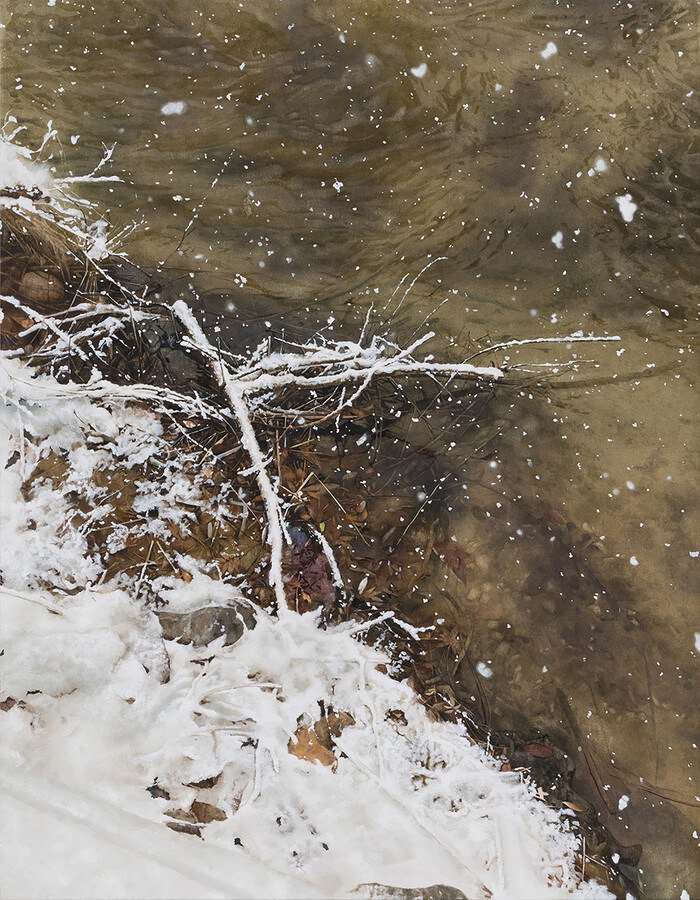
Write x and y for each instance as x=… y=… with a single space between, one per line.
x=17 y=167
x=420 y=70
x=549 y=51
x=626 y=206
x=173 y=108
x=558 y=240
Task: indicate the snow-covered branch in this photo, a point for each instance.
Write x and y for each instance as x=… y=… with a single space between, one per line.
x=314 y=367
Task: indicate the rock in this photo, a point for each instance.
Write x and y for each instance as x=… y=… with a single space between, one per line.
x=387 y=892
x=202 y=626
x=41 y=289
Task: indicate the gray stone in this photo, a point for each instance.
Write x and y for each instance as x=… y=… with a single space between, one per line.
x=388 y=892
x=202 y=626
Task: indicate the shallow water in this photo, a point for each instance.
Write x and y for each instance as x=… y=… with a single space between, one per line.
x=312 y=155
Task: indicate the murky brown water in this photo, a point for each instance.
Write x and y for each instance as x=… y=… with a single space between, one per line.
x=354 y=143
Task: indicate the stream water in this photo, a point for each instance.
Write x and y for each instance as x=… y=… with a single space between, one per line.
x=289 y=163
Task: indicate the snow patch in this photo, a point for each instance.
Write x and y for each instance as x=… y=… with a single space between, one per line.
x=627 y=207
x=173 y=108
x=484 y=670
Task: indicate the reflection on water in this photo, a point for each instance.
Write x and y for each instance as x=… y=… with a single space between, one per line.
x=291 y=162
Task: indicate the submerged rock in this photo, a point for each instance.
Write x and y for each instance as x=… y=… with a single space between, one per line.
x=41 y=288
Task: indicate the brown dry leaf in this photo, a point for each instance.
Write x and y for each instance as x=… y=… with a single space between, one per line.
x=207 y=812
x=183 y=821
x=315 y=742
x=10 y=702
x=354 y=412
x=331 y=726
x=398 y=716
x=309 y=747
x=577 y=809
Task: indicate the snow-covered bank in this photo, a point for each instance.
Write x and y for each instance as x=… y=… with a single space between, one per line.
x=295 y=765
x=104 y=709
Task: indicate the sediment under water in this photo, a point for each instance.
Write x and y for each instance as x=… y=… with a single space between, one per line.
x=291 y=163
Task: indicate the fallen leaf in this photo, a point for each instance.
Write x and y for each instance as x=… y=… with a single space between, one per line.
x=536 y=749
x=314 y=743
x=207 y=812
x=307 y=746
x=458 y=559
x=578 y=809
